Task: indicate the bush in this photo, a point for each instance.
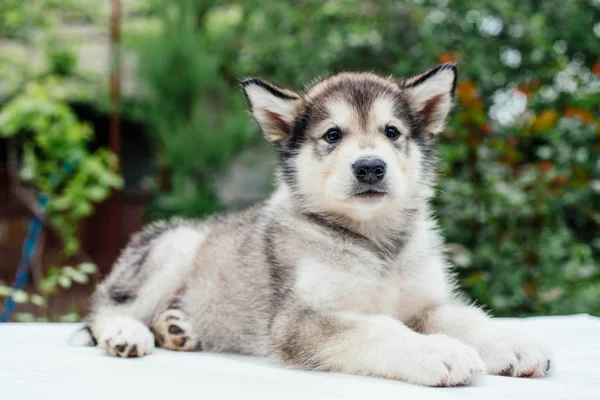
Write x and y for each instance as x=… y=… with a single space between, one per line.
x=48 y=144
x=197 y=121
x=56 y=158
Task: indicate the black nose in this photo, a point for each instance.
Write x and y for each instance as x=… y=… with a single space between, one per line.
x=369 y=170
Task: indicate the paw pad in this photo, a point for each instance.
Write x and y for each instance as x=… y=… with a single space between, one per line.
x=126 y=337
x=123 y=350
x=174 y=332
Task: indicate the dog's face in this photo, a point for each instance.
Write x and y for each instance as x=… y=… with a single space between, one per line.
x=356 y=144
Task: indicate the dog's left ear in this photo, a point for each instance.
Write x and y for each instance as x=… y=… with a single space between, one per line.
x=273 y=108
x=431 y=95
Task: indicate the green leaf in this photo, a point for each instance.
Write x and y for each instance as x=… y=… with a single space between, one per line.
x=64 y=282
x=87 y=268
x=37 y=300
x=24 y=317
x=70 y=317
x=5 y=291
x=49 y=285
x=97 y=193
x=20 y=297
x=75 y=275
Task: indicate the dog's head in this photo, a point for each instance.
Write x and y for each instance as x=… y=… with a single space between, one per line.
x=356 y=144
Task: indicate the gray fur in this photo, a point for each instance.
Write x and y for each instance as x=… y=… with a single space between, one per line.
x=309 y=283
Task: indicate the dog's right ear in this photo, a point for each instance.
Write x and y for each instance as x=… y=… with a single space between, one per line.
x=431 y=94
x=273 y=108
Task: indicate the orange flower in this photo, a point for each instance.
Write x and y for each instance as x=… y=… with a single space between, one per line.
x=584 y=115
x=528 y=87
x=561 y=180
x=523 y=89
x=529 y=289
x=508 y=159
x=473 y=141
x=596 y=68
x=446 y=58
x=545 y=166
x=466 y=91
x=475 y=104
x=486 y=128
x=544 y=120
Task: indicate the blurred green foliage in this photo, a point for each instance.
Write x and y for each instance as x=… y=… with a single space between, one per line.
x=25 y=21
x=51 y=145
x=519 y=191
x=56 y=157
x=57 y=279
x=198 y=121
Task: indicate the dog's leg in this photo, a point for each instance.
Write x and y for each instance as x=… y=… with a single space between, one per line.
x=146 y=278
x=173 y=331
x=371 y=345
x=504 y=352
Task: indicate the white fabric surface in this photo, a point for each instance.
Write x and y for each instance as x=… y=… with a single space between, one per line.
x=37 y=363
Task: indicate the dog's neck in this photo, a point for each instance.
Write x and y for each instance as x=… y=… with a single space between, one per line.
x=384 y=229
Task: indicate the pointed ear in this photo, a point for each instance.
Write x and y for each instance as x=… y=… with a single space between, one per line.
x=431 y=95
x=273 y=108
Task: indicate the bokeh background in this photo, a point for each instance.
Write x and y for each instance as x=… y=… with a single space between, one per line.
x=111 y=117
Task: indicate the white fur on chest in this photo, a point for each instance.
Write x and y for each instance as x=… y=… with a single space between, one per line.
x=402 y=294
x=342 y=289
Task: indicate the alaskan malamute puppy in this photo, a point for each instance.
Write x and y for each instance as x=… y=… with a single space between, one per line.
x=341 y=269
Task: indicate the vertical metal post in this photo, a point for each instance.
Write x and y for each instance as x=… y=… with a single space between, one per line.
x=112 y=224
x=115 y=77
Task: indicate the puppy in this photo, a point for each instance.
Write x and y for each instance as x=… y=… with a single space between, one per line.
x=341 y=269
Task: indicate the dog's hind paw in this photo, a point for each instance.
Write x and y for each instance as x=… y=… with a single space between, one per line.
x=173 y=331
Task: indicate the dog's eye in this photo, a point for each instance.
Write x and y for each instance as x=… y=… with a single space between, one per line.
x=392 y=132
x=333 y=135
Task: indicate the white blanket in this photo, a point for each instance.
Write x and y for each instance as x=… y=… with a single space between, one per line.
x=36 y=363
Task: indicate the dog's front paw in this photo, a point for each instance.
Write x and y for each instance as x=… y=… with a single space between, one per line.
x=509 y=353
x=443 y=361
x=126 y=337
